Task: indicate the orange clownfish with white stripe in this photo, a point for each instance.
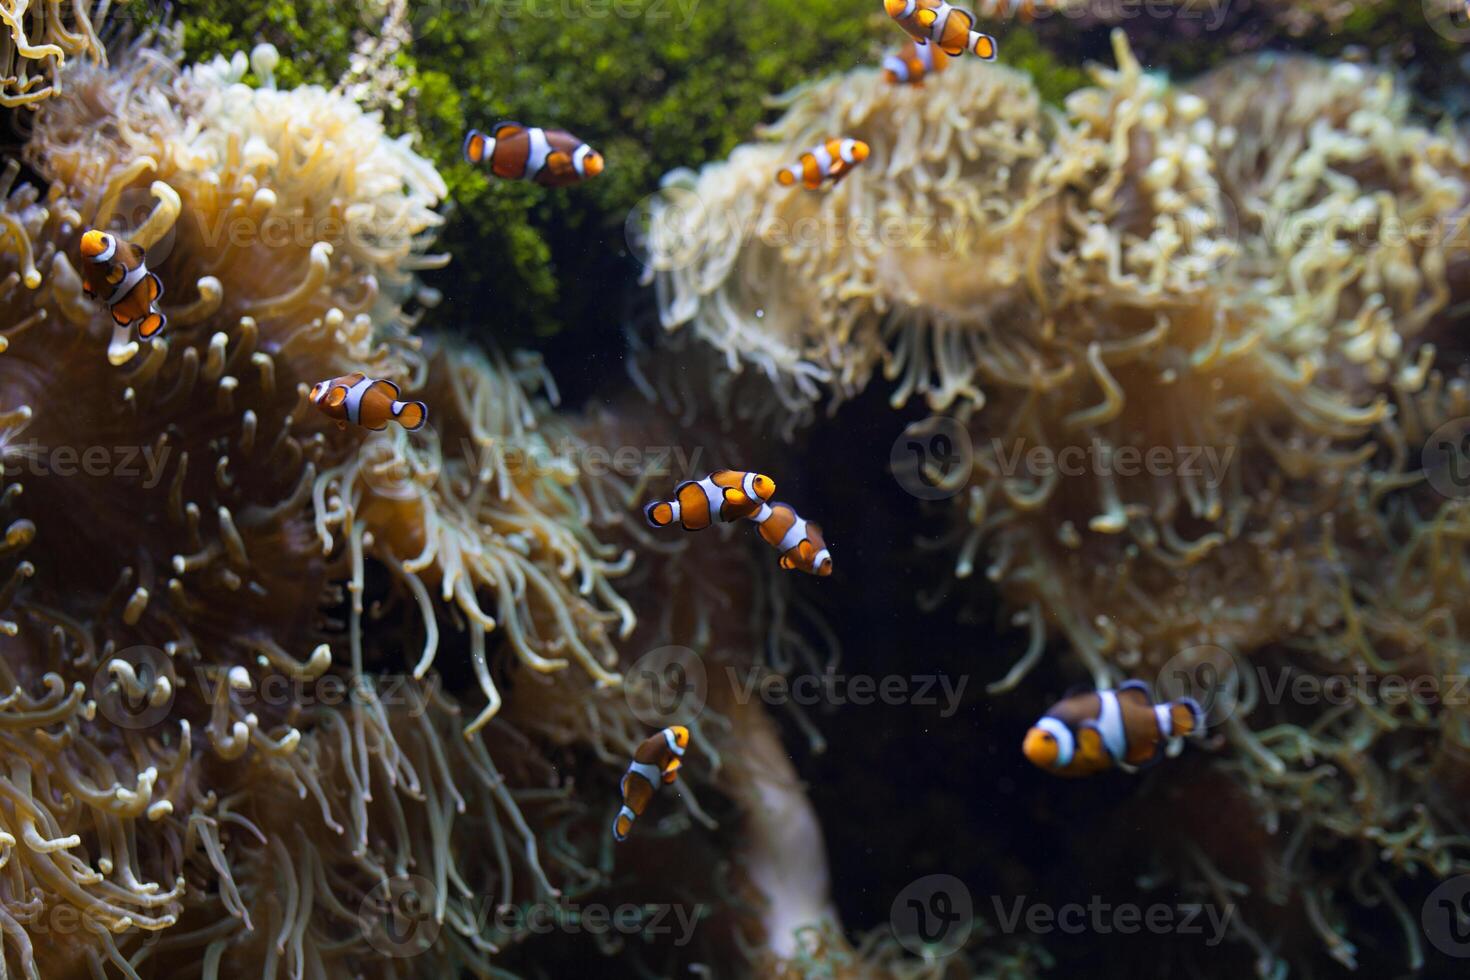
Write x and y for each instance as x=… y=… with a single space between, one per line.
x=914 y=62
x=1090 y=732
x=951 y=28
x=550 y=157
x=799 y=541
x=367 y=402
x=723 y=497
x=655 y=762
x=114 y=271
x=832 y=160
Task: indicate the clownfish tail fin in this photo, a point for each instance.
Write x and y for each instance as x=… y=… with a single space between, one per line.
x=411 y=415
x=1188 y=717
x=622 y=824
x=476 y=146
x=152 y=324
x=660 y=513
x=983 y=45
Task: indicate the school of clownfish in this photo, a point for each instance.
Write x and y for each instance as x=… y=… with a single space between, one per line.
x=1085 y=733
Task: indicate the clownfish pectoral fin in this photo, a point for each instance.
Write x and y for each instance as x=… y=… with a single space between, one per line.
x=151 y=325
x=671 y=771
x=559 y=163
x=337 y=396
x=786 y=563
x=926 y=18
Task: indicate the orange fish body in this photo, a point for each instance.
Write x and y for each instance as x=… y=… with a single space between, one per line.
x=357 y=399
x=1094 y=731
x=911 y=64
x=114 y=272
x=550 y=157
x=832 y=160
x=655 y=763
x=951 y=28
x=725 y=496
x=799 y=541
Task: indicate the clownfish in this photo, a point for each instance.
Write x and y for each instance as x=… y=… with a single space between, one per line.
x=799 y=541
x=656 y=761
x=1088 y=732
x=550 y=157
x=114 y=271
x=912 y=63
x=370 y=403
x=951 y=28
x=725 y=496
x=831 y=160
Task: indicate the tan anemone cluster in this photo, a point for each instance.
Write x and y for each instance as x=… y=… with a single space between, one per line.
x=1188 y=333
x=37 y=38
x=220 y=759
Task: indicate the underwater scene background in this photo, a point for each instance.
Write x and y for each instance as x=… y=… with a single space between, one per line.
x=1081 y=397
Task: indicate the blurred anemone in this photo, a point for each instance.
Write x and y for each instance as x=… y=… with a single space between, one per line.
x=37 y=39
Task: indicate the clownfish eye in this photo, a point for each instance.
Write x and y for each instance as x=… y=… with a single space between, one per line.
x=316 y=391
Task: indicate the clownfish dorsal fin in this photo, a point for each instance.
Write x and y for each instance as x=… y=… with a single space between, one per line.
x=386 y=387
x=1137 y=688
x=1076 y=689
x=504 y=130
